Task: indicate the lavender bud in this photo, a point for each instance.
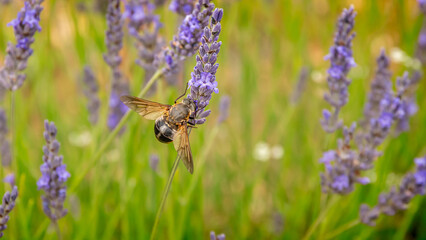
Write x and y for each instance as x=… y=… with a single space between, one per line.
x=187 y=41
x=203 y=80
x=7 y=205
x=144 y=25
x=114 y=42
x=225 y=101
x=10 y=178
x=341 y=61
x=182 y=7
x=397 y=199
x=54 y=176
x=25 y=26
x=91 y=89
x=153 y=162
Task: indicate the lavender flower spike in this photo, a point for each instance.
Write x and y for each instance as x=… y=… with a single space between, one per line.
x=144 y=26
x=341 y=61
x=6 y=157
x=54 y=175
x=25 y=26
x=182 y=7
x=381 y=88
x=7 y=205
x=203 y=80
x=397 y=199
x=91 y=93
x=225 y=101
x=114 y=42
x=187 y=41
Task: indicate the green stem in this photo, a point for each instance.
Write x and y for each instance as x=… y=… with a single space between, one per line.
x=320 y=218
x=342 y=229
x=57 y=229
x=164 y=198
x=112 y=135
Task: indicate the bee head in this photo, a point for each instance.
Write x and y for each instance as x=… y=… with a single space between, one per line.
x=190 y=103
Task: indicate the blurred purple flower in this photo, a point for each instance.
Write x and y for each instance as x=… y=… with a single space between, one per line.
x=397 y=199
x=7 y=205
x=381 y=88
x=406 y=87
x=54 y=175
x=144 y=26
x=301 y=84
x=153 y=162
x=182 y=7
x=91 y=89
x=225 y=101
x=340 y=175
x=218 y=237
x=341 y=61
x=10 y=178
x=114 y=42
x=203 y=80
x=187 y=41
x=5 y=150
x=25 y=26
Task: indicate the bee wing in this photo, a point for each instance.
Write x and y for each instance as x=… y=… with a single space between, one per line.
x=147 y=109
x=181 y=143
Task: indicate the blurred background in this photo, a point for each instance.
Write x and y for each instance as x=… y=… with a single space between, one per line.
x=257 y=173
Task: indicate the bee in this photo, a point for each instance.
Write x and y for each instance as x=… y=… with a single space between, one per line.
x=171 y=123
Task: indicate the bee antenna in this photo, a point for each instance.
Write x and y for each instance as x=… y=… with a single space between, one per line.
x=182 y=94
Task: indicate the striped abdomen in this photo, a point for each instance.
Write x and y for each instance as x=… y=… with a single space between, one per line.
x=163 y=131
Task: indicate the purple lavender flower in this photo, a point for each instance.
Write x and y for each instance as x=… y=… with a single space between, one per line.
x=397 y=199
x=144 y=26
x=225 y=101
x=10 y=178
x=381 y=88
x=406 y=87
x=25 y=26
x=383 y=110
x=203 y=80
x=342 y=61
x=422 y=5
x=301 y=84
x=5 y=150
x=54 y=175
x=91 y=93
x=114 y=42
x=187 y=41
x=7 y=205
x=153 y=162
x=218 y=237
x=182 y=7
x=340 y=175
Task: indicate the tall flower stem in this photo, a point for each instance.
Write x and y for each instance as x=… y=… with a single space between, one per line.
x=57 y=229
x=342 y=229
x=196 y=178
x=320 y=217
x=112 y=134
x=165 y=194
x=164 y=198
